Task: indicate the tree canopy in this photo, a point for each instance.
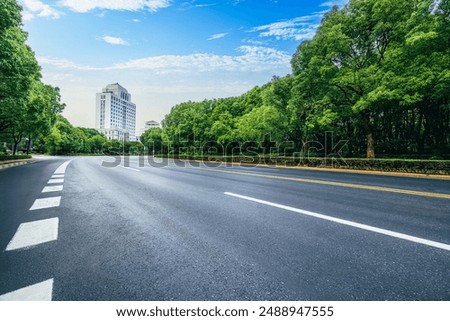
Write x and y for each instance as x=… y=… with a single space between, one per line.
x=28 y=107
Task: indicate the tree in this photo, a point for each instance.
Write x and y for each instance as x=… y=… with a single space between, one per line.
x=419 y=76
x=348 y=57
x=261 y=125
x=18 y=68
x=42 y=107
x=153 y=140
x=96 y=143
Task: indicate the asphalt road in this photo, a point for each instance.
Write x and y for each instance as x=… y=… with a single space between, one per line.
x=219 y=233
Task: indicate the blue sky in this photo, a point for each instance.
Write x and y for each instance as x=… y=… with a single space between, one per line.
x=165 y=51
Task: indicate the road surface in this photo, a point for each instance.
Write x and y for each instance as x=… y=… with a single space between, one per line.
x=79 y=229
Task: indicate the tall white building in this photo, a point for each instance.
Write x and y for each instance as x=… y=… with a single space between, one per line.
x=115 y=114
x=151 y=124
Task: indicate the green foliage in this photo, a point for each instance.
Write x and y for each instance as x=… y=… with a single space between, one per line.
x=262 y=123
x=28 y=107
x=152 y=139
x=376 y=74
x=9 y=14
x=380 y=70
x=65 y=139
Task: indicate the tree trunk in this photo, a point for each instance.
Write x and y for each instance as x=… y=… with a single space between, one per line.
x=17 y=139
x=16 y=143
x=419 y=135
x=28 y=144
x=370 y=146
x=305 y=147
x=370 y=138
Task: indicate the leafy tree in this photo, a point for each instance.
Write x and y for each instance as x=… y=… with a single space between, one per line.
x=261 y=124
x=359 y=70
x=222 y=129
x=153 y=140
x=18 y=69
x=53 y=141
x=42 y=107
x=96 y=143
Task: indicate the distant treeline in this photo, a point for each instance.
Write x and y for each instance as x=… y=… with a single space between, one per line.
x=376 y=75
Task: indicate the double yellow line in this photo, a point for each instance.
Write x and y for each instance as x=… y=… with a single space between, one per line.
x=331 y=183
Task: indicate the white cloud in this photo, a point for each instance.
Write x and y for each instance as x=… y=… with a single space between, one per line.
x=253 y=42
x=332 y=3
x=136 y=20
x=299 y=29
x=37 y=7
x=27 y=16
x=204 y=5
x=63 y=63
x=218 y=36
x=250 y=59
x=236 y=2
x=127 y=5
x=115 y=41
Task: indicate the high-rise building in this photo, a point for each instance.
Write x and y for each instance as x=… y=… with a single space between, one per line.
x=151 y=124
x=115 y=114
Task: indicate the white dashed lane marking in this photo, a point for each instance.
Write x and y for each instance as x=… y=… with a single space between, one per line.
x=62 y=169
x=38 y=292
x=34 y=233
x=56 y=188
x=48 y=202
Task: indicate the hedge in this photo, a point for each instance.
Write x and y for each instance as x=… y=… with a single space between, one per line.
x=14 y=157
x=432 y=167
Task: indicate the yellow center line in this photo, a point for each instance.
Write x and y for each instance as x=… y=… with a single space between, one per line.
x=331 y=183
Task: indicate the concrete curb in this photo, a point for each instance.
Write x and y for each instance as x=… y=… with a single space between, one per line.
x=17 y=163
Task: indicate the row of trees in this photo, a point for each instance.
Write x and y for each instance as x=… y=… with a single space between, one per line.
x=28 y=107
x=65 y=139
x=377 y=75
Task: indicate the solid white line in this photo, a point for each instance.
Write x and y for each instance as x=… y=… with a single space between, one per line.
x=37 y=292
x=402 y=236
x=58 y=176
x=62 y=169
x=48 y=202
x=34 y=233
x=129 y=168
x=56 y=181
x=56 y=188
